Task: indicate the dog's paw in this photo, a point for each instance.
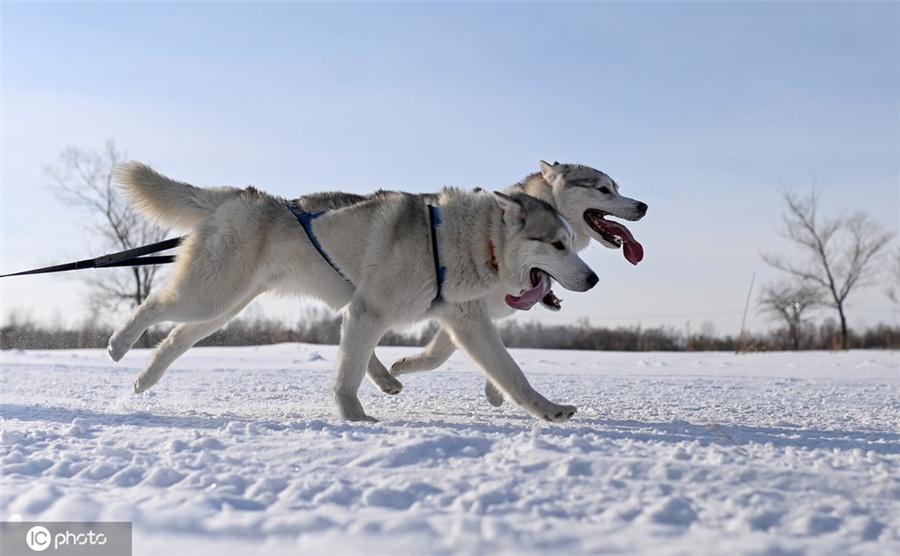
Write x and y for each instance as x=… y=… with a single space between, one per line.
x=559 y=413
x=147 y=379
x=493 y=394
x=399 y=367
x=389 y=385
x=350 y=408
x=359 y=418
x=114 y=351
x=141 y=385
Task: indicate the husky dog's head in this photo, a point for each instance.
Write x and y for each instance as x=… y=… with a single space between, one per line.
x=538 y=246
x=586 y=196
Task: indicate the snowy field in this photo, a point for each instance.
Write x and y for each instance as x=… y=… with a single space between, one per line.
x=238 y=451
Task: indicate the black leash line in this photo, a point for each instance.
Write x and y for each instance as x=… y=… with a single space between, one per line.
x=129 y=257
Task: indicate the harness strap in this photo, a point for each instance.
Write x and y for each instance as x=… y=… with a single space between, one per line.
x=305 y=219
x=434 y=220
x=440 y=272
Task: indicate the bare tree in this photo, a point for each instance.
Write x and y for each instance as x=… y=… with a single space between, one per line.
x=788 y=303
x=838 y=253
x=893 y=275
x=84 y=178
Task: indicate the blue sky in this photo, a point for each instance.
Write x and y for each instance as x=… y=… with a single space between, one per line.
x=699 y=109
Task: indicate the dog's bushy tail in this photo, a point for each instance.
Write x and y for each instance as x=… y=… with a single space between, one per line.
x=171 y=203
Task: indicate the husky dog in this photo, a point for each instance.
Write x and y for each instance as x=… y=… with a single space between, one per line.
x=386 y=259
x=585 y=197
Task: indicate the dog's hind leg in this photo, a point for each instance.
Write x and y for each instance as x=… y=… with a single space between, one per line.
x=179 y=340
x=438 y=350
x=380 y=376
x=204 y=286
x=162 y=308
x=124 y=338
x=360 y=332
x=474 y=332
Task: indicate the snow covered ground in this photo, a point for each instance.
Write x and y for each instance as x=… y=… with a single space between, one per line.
x=238 y=451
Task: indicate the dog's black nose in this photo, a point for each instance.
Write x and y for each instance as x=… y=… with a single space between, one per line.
x=642 y=208
x=592 y=280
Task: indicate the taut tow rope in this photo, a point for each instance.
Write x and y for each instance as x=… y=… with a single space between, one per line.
x=128 y=257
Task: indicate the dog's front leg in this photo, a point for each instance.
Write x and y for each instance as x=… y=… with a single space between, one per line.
x=361 y=330
x=438 y=350
x=380 y=376
x=492 y=393
x=435 y=354
x=473 y=332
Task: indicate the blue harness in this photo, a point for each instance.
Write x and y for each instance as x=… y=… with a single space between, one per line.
x=434 y=220
x=440 y=272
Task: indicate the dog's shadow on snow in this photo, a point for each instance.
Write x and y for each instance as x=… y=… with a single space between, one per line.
x=65 y=415
x=880 y=442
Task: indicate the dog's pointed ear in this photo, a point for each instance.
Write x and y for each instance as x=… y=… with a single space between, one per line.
x=513 y=209
x=550 y=172
x=506 y=201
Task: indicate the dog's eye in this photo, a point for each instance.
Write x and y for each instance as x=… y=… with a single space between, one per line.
x=604 y=189
x=559 y=246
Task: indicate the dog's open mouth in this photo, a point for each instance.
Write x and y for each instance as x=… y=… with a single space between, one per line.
x=539 y=292
x=615 y=233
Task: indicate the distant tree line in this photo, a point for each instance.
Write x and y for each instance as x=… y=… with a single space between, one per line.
x=322 y=327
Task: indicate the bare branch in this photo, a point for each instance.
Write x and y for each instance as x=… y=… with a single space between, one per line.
x=788 y=303
x=838 y=255
x=803 y=273
x=893 y=277
x=84 y=180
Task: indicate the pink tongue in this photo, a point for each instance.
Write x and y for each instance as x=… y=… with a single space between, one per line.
x=528 y=299
x=634 y=251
